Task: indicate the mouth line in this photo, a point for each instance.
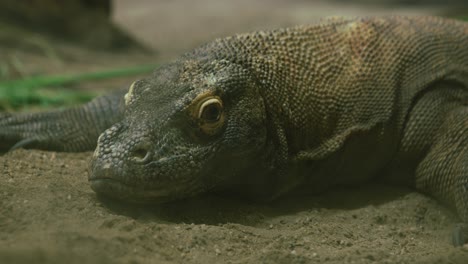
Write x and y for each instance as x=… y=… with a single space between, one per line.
x=116 y=189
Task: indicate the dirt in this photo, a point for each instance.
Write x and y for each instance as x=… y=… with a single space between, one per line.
x=49 y=214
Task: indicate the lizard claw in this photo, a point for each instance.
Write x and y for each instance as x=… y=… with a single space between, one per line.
x=23 y=143
x=460 y=235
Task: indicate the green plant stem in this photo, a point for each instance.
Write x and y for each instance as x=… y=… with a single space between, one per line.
x=61 y=80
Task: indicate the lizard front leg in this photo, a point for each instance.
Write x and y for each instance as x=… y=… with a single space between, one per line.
x=444 y=171
x=73 y=129
x=433 y=153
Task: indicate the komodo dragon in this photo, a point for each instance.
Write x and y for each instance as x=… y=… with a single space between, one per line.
x=338 y=102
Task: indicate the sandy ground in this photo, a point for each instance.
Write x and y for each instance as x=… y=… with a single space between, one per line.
x=49 y=214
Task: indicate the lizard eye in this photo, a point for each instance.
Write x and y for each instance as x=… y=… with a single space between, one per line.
x=211 y=110
x=209 y=113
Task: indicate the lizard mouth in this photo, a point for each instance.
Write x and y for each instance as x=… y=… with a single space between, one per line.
x=136 y=184
x=115 y=189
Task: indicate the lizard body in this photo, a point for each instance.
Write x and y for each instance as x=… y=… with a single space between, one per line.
x=339 y=102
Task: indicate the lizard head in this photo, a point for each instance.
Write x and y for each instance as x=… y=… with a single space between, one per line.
x=190 y=127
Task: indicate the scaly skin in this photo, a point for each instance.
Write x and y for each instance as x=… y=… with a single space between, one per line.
x=334 y=103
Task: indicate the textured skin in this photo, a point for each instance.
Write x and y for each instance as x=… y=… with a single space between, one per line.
x=334 y=103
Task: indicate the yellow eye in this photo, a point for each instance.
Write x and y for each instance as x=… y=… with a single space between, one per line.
x=211 y=110
x=207 y=111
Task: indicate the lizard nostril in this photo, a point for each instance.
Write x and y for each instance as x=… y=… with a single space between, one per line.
x=140 y=154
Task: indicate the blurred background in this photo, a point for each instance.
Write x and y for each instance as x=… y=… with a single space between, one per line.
x=55 y=53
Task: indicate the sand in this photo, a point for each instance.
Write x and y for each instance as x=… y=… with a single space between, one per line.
x=49 y=214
